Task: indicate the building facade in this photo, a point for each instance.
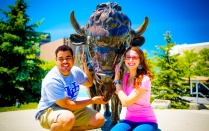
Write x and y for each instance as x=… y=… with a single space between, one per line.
x=197 y=47
x=48 y=49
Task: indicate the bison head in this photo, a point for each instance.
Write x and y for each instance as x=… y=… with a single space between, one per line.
x=103 y=40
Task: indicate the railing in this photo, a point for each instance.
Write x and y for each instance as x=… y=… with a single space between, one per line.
x=197 y=92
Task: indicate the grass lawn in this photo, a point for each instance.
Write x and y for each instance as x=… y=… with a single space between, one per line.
x=22 y=107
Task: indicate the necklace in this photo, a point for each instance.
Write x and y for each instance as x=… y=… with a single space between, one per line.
x=130 y=78
x=129 y=81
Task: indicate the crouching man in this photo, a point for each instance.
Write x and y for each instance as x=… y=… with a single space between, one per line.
x=58 y=109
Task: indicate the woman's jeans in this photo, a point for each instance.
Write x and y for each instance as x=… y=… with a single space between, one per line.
x=125 y=125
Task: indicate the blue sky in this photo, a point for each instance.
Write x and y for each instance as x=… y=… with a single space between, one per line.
x=187 y=20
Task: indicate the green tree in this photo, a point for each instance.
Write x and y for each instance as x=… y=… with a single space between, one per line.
x=48 y=65
x=203 y=63
x=168 y=81
x=188 y=63
x=20 y=70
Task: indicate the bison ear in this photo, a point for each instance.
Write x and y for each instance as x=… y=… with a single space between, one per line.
x=138 y=41
x=76 y=39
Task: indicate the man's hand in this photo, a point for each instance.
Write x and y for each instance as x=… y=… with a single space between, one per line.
x=83 y=59
x=99 y=100
x=89 y=82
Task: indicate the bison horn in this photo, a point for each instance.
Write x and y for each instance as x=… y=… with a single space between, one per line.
x=143 y=27
x=79 y=29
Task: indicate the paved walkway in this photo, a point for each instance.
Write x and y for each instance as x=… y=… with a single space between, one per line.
x=169 y=120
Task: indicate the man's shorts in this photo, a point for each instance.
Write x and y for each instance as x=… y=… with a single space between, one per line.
x=83 y=116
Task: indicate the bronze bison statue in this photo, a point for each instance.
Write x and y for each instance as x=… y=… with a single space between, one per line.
x=103 y=41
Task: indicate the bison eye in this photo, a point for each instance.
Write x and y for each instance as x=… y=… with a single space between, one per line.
x=104 y=39
x=111 y=23
x=107 y=40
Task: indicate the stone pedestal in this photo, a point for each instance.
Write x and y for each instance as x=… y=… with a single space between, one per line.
x=161 y=104
x=194 y=106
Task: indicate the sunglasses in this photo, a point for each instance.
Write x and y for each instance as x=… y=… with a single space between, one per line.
x=131 y=57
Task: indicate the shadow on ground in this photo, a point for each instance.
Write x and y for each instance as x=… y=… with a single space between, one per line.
x=203 y=106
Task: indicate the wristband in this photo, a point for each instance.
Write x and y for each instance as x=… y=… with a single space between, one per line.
x=116 y=82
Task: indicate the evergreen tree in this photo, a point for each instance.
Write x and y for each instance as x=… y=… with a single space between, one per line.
x=20 y=70
x=167 y=84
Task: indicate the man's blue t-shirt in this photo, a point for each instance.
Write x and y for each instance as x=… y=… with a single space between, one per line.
x=55 y=86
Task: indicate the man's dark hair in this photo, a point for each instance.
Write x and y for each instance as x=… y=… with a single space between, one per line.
x=63 y=48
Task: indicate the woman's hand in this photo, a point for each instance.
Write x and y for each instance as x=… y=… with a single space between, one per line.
x=117 y=73
x=117 y=77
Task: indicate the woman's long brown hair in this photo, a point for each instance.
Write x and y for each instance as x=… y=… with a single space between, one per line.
x=145 y=67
